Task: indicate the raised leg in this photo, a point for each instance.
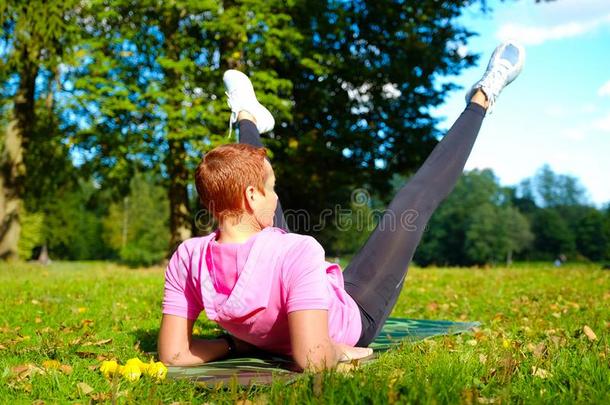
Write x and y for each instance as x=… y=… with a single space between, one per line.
x=375 y=276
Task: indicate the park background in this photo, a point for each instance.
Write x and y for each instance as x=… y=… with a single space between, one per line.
x=106 y=107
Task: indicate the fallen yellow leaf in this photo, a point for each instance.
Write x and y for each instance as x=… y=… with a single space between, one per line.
x=24 y=371
x=84 y=388
x=538 y=350
x=98 y=343
x=66 y=369
x=540 y=372
x=589 y=333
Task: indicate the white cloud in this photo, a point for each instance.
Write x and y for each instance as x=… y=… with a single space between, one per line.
x=589 y=108
x=559 y=111
x=570 y=10
x=536 y=35
x=602 y=124
x=604 y=90
x=554 y=111
x=574 y=134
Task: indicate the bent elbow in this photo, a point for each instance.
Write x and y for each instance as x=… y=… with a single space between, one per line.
x=171 y=359
x=317 y=360
x=167 y=359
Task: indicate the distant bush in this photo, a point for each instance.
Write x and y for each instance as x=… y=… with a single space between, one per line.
x=137 y=227
x=32 y=233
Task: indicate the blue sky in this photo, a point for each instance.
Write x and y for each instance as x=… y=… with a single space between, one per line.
x=557 y=112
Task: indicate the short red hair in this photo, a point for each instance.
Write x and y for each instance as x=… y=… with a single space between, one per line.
x=223 y=175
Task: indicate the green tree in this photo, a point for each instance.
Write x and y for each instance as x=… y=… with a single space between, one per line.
x=35 y=37
x=32 y=233
x=353 y=227
x=149 y=79
x=553 y=235
x=591 y=235
x=550 y=189
x=606 y=212
x=330 y=71
x=73 y=226
x=494 y=233
x=517 y=232
x=475 y=225
x=362 y=92
x=136 y=227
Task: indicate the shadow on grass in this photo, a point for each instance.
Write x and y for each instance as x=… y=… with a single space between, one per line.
x=147 y=338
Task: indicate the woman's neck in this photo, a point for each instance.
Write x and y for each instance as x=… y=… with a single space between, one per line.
x=237 y=231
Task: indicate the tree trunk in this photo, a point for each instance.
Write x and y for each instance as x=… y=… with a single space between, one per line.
x=180 y=218
x=12 y=166
x=125 y=222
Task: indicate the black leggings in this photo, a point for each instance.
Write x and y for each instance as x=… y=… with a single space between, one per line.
x=375 y=276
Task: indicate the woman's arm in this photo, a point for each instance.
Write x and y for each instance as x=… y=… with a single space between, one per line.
x=312 y=347
x=177 y=347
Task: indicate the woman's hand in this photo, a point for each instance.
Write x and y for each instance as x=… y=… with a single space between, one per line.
x=347 y=353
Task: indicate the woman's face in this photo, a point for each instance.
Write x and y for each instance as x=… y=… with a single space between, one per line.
x=264 y=204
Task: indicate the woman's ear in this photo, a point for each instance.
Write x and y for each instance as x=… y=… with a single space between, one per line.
x=250 y=197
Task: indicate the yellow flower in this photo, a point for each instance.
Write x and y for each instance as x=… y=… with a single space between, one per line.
x=506 y=343
x=108 y=368
x=157 y=370
x=131 y=372
x=138 y=363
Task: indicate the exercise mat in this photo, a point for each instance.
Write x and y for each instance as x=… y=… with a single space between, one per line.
x=267 y=368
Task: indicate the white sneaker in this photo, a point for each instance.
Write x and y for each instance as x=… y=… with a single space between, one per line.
x=504 y=66
x=241 y=97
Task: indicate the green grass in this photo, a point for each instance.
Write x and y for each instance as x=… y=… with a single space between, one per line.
x=533 y=318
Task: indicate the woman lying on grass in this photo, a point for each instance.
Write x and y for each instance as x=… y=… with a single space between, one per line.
x=273 y=290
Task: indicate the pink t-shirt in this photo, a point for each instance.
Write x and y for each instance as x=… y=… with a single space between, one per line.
x=250 y=288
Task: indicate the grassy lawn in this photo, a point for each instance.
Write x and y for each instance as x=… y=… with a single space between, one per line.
x=531 y=347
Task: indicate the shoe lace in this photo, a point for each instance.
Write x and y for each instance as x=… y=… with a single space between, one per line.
x=494 y=84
